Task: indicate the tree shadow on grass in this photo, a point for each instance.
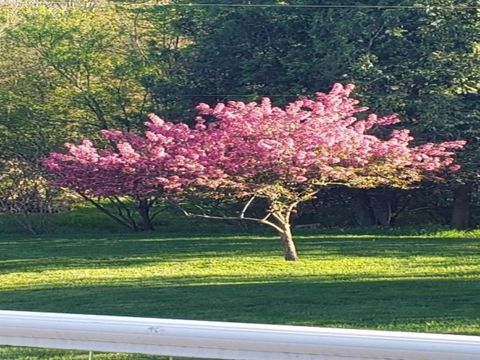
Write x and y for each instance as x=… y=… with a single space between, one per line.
x=65 y=253
x=451 y=306
x=373 y=246
x=61 y=253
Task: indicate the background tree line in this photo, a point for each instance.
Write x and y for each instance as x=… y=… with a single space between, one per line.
x=69 y=69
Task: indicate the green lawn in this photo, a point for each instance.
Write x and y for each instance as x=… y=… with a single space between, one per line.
x=427 y=282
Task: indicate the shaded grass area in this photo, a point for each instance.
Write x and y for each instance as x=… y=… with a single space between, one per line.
x=428 y=282
x=84 y=217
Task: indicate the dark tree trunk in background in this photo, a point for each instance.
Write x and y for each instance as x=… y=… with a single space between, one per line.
x=374 y=208
x=382 y=208
x=144 y=212
x=461 y=206
x=363 y=209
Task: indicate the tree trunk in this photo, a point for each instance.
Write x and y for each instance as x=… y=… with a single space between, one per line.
x=461 y=206
x=362 y=209
x=382 y=208
x=374 y=208
x=289 y=250
x=144 y=212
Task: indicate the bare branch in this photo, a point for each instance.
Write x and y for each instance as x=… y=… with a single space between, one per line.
x=206 y=216
x=267 y=216
x=105 y=211
x=247 y=205
x=129 y=217
x=290 y=209
x=279 y=217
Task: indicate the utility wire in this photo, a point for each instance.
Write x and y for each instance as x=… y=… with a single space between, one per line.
x=237 y=5
x=326 y=6
x=235 y=95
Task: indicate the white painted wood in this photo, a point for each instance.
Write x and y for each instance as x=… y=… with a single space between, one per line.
x=222 y=340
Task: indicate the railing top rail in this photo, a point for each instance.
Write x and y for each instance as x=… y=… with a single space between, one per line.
x=223 y=340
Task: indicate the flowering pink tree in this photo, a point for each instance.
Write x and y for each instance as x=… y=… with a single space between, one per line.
x=286 y=156
x=249 y=152
x=141 y=169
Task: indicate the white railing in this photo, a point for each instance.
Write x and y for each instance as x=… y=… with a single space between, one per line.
x=222 y=340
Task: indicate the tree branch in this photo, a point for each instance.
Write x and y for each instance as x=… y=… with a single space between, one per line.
x=119 y=203
x=105 y=211
x=206 y=216
x=247 y=205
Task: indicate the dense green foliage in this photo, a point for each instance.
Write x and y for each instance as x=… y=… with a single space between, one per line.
x=69 y=72
x=73 y=70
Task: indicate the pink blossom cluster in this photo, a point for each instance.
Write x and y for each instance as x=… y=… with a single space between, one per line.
x=241 y=147
x=165 y=158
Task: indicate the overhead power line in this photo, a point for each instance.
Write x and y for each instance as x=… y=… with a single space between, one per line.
x=326 y=6
x=158 y=3
x=235 y=95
